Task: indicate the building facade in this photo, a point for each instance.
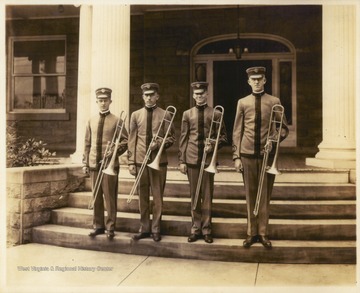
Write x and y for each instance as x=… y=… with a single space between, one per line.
x=58 y=55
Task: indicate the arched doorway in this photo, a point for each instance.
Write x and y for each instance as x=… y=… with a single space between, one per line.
x=213 y=61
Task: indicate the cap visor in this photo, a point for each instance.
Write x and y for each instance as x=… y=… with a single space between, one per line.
x=256 y=76
x=149 y=92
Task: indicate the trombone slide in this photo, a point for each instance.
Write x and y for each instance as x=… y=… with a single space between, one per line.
x=275 y=123
x=170 y=110
x=99 y=179
x=155 y=164
x=105 y=160
x=212 y=166
x=110 y=170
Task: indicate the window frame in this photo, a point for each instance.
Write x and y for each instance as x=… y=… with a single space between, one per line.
x=33 y=114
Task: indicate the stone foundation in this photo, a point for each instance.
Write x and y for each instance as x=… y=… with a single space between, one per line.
x=32 y=192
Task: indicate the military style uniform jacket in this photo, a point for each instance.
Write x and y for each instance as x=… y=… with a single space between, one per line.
x=138 y=143
x=252 y=124
x=96 y=139
x=192 y=140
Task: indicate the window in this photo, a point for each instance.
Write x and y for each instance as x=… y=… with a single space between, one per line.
x=38 y=74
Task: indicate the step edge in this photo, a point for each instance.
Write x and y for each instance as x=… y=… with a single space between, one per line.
x=171 y=238
x=80 y=211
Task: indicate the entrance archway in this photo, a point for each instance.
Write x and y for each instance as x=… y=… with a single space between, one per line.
x=213 y=61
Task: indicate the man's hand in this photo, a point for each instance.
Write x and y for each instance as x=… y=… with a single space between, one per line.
x=154 y=146
x=183 y=168
x=85 y=170
x=132 y=169
x=268 y=146
x=208 y=148
x=238 y=166
x=109 y=152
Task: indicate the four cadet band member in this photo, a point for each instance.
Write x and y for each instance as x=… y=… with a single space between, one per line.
x=195 y=127
x=144 y=124
x=249 y=137
x=99 y=131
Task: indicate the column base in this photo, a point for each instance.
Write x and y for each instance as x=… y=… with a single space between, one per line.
x=331 y=163
x=333 y=157
x=76 y=158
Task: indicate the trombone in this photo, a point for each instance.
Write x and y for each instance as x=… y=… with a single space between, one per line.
x=170 y=110
x=276 y=124
x=110 y=170
x=212 y=166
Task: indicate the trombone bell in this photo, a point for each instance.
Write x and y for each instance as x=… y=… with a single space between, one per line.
x=212 y=169
x=155 y=164
x=273 y=170
x=110 y=171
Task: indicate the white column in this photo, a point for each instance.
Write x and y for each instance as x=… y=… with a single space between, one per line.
x=104 y=61
x=111 y=54
x=84 y=80
x=338 y=148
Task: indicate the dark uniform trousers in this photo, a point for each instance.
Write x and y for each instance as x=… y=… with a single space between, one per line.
x=201 y=216
x=154 y=181
x=257 y=225
x=108 y=185
x=144 y=124
x=195 y=128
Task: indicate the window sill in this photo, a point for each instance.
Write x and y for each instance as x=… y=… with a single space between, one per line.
x=37 y=116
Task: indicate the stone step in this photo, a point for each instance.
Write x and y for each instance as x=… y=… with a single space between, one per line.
x=279 y=229
x=285 y=209
x=234 y=190
x=305 y=252
x=228 y=175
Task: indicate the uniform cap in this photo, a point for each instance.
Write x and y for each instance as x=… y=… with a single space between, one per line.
x=199 y=86
x=150 y=88
x=256 y=72
x=103 y=92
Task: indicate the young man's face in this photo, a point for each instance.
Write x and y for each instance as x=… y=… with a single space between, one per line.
x=257 y=83
x=150 y=99
x=200 y=98
x=103 y=104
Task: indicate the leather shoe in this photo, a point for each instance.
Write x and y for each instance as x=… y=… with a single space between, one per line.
x=156 y=237
x=250 y=240
x=96 y=232
x=208 y=238
x=140 y=236
x=110 y=234
x=265 y=241
x=193 y=237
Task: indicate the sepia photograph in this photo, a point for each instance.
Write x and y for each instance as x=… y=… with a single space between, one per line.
x=179 y=146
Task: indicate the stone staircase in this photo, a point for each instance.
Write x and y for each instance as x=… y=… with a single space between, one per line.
x=312 y=220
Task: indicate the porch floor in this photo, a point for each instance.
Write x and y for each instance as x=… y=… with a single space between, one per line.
x=286 y=160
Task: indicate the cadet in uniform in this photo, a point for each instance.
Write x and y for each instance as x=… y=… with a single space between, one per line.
x=195 y=127
x=249 y=138
x=99 y=131
x=144 y=124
